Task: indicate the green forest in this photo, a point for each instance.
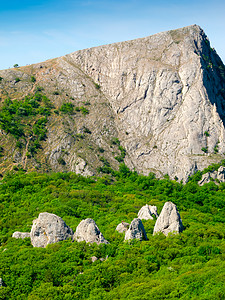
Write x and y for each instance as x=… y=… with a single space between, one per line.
x=190 y=265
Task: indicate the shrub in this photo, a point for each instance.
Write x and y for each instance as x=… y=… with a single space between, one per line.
x=79 y=136
x=17 y=79
x=19 y=144
x=216 y=149
x=33 y=79
x=97 y=86
x=61 y=161
x=67 y=108
x=39 y=89
x=101 y=150
x=87 y=130
x=205 y=149
x=84 y=110
x=115 y=141
x=206 y=133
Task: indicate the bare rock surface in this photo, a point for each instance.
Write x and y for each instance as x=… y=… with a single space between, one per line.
x=48 y=229
x=169 y=220
x=122 y=227
x=21 y=235
x=219 y=175
x=136 y=231
x=147 y=211
x=89 y=232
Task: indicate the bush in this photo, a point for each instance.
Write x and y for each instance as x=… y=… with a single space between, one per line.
x=97 y=86
x=39 y=89
x=67 y=108
x=61 y=161
x=33 y=79
x=205 y=149
x=84 y=110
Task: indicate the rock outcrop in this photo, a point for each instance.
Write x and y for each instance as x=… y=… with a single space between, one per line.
x=94 y=259
x=21 y=235
x=147 y=212
x=89 y=232
x=48 y=229
x=122 y=227
x=162 y=96
x=169 y=220
x=217 y=176
x=136 y=231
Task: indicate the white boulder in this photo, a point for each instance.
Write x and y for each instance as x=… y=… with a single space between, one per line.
x=147 y=212
x=136 y=231
x=21 y=235
x=122 y=227
x=169 y=220
x=89 y=232
x=48 y=229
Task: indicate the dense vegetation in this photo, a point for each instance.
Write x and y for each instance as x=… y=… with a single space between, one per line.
x=186 y=266
x=26 y=120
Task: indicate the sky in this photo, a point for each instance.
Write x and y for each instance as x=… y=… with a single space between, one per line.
x=32 y=31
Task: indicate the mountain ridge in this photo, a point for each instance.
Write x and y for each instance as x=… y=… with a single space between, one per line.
x=161 y=96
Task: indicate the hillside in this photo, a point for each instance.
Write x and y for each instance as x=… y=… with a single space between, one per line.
x=189 y=265
x=156 y=103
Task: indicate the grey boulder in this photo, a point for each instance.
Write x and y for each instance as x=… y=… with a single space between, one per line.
x=122 y=227
x=21 y=235
x=147 y=212
x=169 y=220
x=89 y=232
x=48 y=229
x=136 y=231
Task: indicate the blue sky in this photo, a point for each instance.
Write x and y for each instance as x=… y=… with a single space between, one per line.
x=32 y=31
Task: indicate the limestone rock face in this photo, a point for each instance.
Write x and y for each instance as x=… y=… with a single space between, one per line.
x=165 y=90
x=169 y=220
x=48 y=229
x=122 y=227
x=89 y=232
x=158 y=95
x=136 y=231
x=147 y=211
x=219 y=175
x=21 y=235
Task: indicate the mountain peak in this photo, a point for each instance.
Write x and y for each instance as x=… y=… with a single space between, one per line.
x=156 y=103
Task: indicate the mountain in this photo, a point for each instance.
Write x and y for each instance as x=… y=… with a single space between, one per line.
x=156 y=102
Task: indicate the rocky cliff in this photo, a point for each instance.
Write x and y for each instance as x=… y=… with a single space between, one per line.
x=162 y=97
